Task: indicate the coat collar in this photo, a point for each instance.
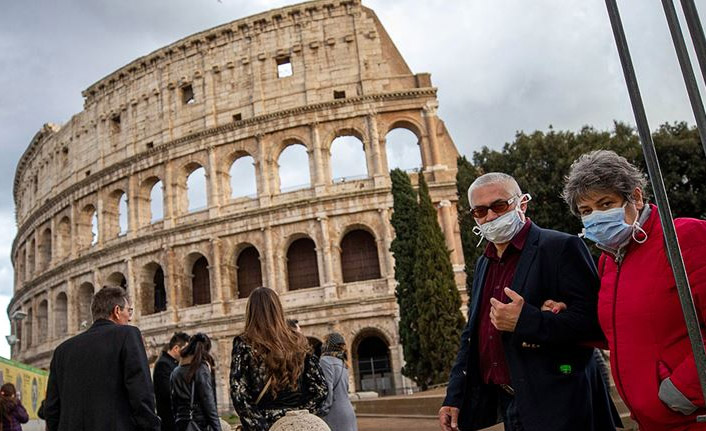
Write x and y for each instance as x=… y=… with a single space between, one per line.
x=529 y=252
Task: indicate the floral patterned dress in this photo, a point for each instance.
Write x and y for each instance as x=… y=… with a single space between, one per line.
x=248 y=377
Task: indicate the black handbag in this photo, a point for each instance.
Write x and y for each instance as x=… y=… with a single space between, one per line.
x=192 y=426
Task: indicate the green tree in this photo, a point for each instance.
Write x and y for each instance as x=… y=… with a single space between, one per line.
x=471 y=251
x=436 y=297
x=404 y=221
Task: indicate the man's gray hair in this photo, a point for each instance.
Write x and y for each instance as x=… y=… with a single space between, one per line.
x=601 y=171
x=105 y=300
x=494 y=178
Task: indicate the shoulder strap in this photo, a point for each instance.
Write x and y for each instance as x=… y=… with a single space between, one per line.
x=264 y=391
x=191 y=401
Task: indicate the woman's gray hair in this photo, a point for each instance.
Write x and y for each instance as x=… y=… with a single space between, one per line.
x=494 y=178
x=601 y=171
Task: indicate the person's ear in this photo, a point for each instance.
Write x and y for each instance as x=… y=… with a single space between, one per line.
x=638 y=199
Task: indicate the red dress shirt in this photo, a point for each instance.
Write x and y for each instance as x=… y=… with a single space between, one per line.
x=501 y=271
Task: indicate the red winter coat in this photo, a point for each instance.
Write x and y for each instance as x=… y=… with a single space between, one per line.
x=641 y=316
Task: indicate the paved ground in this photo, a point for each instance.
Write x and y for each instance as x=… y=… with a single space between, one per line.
x=403 y=424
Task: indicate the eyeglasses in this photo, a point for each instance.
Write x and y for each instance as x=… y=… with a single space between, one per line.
x=497 y=207
x=130 y=310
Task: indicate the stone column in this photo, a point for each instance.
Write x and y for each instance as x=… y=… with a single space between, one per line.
x=172 y=282
x=269 y=255
x=133 y=221
x=133 y=288
x=374 y=139
x=387 y=266
x=263 y=172
x=318 y=179
x=214 y=190
x=74 y=235
x=217 y=287
x=102 y=225
x=71 y=307
x=169 y=209
x=54 y=244
x=328 y=282
x=448 y=225
x=429 y=114
x=51 y=327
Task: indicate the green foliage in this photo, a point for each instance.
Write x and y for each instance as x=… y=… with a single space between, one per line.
x=404 y=221
x=464 y=177
x=438 y=303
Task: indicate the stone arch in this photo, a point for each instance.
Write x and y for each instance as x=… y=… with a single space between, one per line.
x=302 y=264
x=347 y=156
x=63 y=238
x=43 y=321
x=359 y=256
x=61 y=310
x=248 y=269
x=152 y=286
x=199 y=279
x=242 y=177
x=151 y=201
x=115 y=213
x=117 y=279
x=372 y=361
x=403 y=150
x=288 y=168
x=195 y=187
x=85 y=296
x=88 y=227
x=45 y=249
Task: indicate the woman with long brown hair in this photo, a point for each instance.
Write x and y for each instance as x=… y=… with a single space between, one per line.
x=12 y=412
x=272 y=369
x=193 y=388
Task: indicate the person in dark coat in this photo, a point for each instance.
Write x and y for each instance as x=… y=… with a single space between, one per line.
x=99 y=379
x=193 y=387
x=527 y=364
x=12 y=412
x=162 y=371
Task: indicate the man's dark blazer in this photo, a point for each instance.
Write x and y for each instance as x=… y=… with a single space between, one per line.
x=99 y=380
x=162 y=371
x=552 y=265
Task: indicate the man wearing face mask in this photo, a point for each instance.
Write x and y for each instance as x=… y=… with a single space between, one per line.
x=638 y=305
x=517 y=363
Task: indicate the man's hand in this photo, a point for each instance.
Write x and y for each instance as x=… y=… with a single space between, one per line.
x=554 y=306
x=504 y=316
x=448 y=418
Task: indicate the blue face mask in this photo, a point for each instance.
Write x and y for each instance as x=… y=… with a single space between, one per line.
x=608 y=228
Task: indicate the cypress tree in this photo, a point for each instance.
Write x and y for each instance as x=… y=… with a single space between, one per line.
x=465 y=176
x=439 y=318
x=404 y=221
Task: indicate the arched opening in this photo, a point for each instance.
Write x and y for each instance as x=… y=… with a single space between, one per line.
x=154 y=293
x=293 y=168
x=200 y=282
x=28 y=328
x=316 y=345
x=85 y=295
x=117 y=279
x=302 y=266
x=371 y=361
x=348 y=159
x=196 y=191
x=61 y=309
x=249 y=271
x=123 y=223
x=63 y=246
x=156 y=202
x=403 y=150
x=45 y=249
x=359 y=257
x=94 y=228
x=160 y=291
x=243 y=182
x=43 y=321
x=88 y=227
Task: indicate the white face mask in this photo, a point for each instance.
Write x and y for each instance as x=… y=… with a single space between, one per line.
x=505 y=227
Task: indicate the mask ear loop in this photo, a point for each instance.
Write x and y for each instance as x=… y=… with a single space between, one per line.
x=476 y=231
x=636 y=229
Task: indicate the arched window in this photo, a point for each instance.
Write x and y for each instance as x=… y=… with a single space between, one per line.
x=302 y=266
x=85 y=295
x=156 y=202
x=371 y=359
x=43 y=320
x=200 y=282
x=196 y=194
x=348 y=159
x=63 y=246
x=154 y=293
x=402 y=149
x=249 y=271
x=160 y=292
x=117 y=279
x=123 y=223
x=359 y=257
x=61 y=309
x=45 y=249
x=293 y=168
x=94 y=228
x=243 y=182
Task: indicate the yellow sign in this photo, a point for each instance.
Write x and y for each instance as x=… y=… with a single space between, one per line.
x=30 y=382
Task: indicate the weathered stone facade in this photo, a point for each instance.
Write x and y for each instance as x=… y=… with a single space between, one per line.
x=205 y=102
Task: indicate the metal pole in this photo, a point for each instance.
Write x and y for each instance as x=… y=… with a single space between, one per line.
x=665 y=214
x=696 y=31
x=686 y=69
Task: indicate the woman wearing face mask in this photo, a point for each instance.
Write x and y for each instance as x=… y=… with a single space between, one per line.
x=638 y=307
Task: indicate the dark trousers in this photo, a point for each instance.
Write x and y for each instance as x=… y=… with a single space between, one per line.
x=508 y=411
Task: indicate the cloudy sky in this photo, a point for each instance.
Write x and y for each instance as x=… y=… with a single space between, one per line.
x=500 y=66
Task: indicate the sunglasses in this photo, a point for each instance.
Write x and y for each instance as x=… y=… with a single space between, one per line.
x=498 y=207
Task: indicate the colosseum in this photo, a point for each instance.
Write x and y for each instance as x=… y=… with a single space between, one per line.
x=255 y=153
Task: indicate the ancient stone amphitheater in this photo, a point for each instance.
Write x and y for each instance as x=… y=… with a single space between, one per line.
x=111 y=197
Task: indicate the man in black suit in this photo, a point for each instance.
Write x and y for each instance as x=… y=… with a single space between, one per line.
x=162 y=371
x=99 y=379
x=517 y=363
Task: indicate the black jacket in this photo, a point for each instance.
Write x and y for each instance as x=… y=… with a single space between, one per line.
x=205 y=408
x=99 y=380
x=162 y=371
x=557 y=266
